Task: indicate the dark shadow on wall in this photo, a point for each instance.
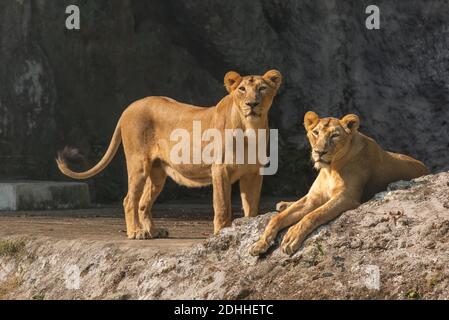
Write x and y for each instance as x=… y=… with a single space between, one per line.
x=66 y=87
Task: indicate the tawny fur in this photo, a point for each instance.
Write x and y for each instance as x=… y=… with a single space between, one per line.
x=353 y=167
x=144 y=129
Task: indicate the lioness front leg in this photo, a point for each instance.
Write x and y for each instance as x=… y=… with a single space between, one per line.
x=250 y=187
x=221 y=185
x=323 y=214
x=286 y=218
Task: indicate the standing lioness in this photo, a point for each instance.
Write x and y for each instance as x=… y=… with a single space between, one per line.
x=145 y=129
x=353 y=167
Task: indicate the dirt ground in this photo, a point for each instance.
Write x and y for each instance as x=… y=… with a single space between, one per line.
x=188 y=223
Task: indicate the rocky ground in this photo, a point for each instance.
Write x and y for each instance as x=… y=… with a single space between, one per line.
x=395 y=247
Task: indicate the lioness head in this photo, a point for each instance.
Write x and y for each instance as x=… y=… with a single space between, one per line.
x=329 y=138
x=253 y=95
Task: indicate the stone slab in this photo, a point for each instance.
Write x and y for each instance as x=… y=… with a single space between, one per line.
x=43 y=195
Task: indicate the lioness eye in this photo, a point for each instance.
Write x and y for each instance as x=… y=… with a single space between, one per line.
x=262 y=88
x=242 y=89
x=315 y=132
x=335 y=135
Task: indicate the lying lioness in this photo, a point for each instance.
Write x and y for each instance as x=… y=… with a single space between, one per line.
x=145 y=129
x=353 y=167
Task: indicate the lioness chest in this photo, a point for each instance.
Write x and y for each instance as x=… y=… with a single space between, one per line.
x=327 y=185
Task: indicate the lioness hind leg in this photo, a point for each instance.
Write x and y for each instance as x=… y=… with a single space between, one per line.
x=154 y=184
x=136 y=181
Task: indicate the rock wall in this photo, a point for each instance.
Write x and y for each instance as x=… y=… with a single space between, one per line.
x=61 y=87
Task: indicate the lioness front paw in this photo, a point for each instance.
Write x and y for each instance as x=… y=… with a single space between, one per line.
x=292 y=241
x=259 y=248
x=153 y=234
x=131 y=235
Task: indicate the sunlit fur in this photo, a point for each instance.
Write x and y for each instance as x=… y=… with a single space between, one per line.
x=145 y=128
x=352 y=168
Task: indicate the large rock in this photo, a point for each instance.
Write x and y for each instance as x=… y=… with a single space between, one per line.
x=69 y=87
x=394 y=246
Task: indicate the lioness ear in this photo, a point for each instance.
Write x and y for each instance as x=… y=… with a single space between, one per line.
x=231 y=80
x=350 y=122
x=311 y=119
x=273 y=78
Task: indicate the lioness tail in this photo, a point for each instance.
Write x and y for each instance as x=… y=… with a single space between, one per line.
x=109 y=155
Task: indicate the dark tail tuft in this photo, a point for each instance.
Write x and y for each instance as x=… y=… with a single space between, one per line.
x=70 y=154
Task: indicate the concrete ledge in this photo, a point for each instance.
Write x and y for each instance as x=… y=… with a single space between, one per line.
x=40 y=195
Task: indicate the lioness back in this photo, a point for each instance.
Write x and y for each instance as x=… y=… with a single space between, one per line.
x=410 y=168
x=164 y=110
x=387 y=167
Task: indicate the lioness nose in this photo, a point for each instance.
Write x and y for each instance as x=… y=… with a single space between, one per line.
x=320 y=152
x=252 y=104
